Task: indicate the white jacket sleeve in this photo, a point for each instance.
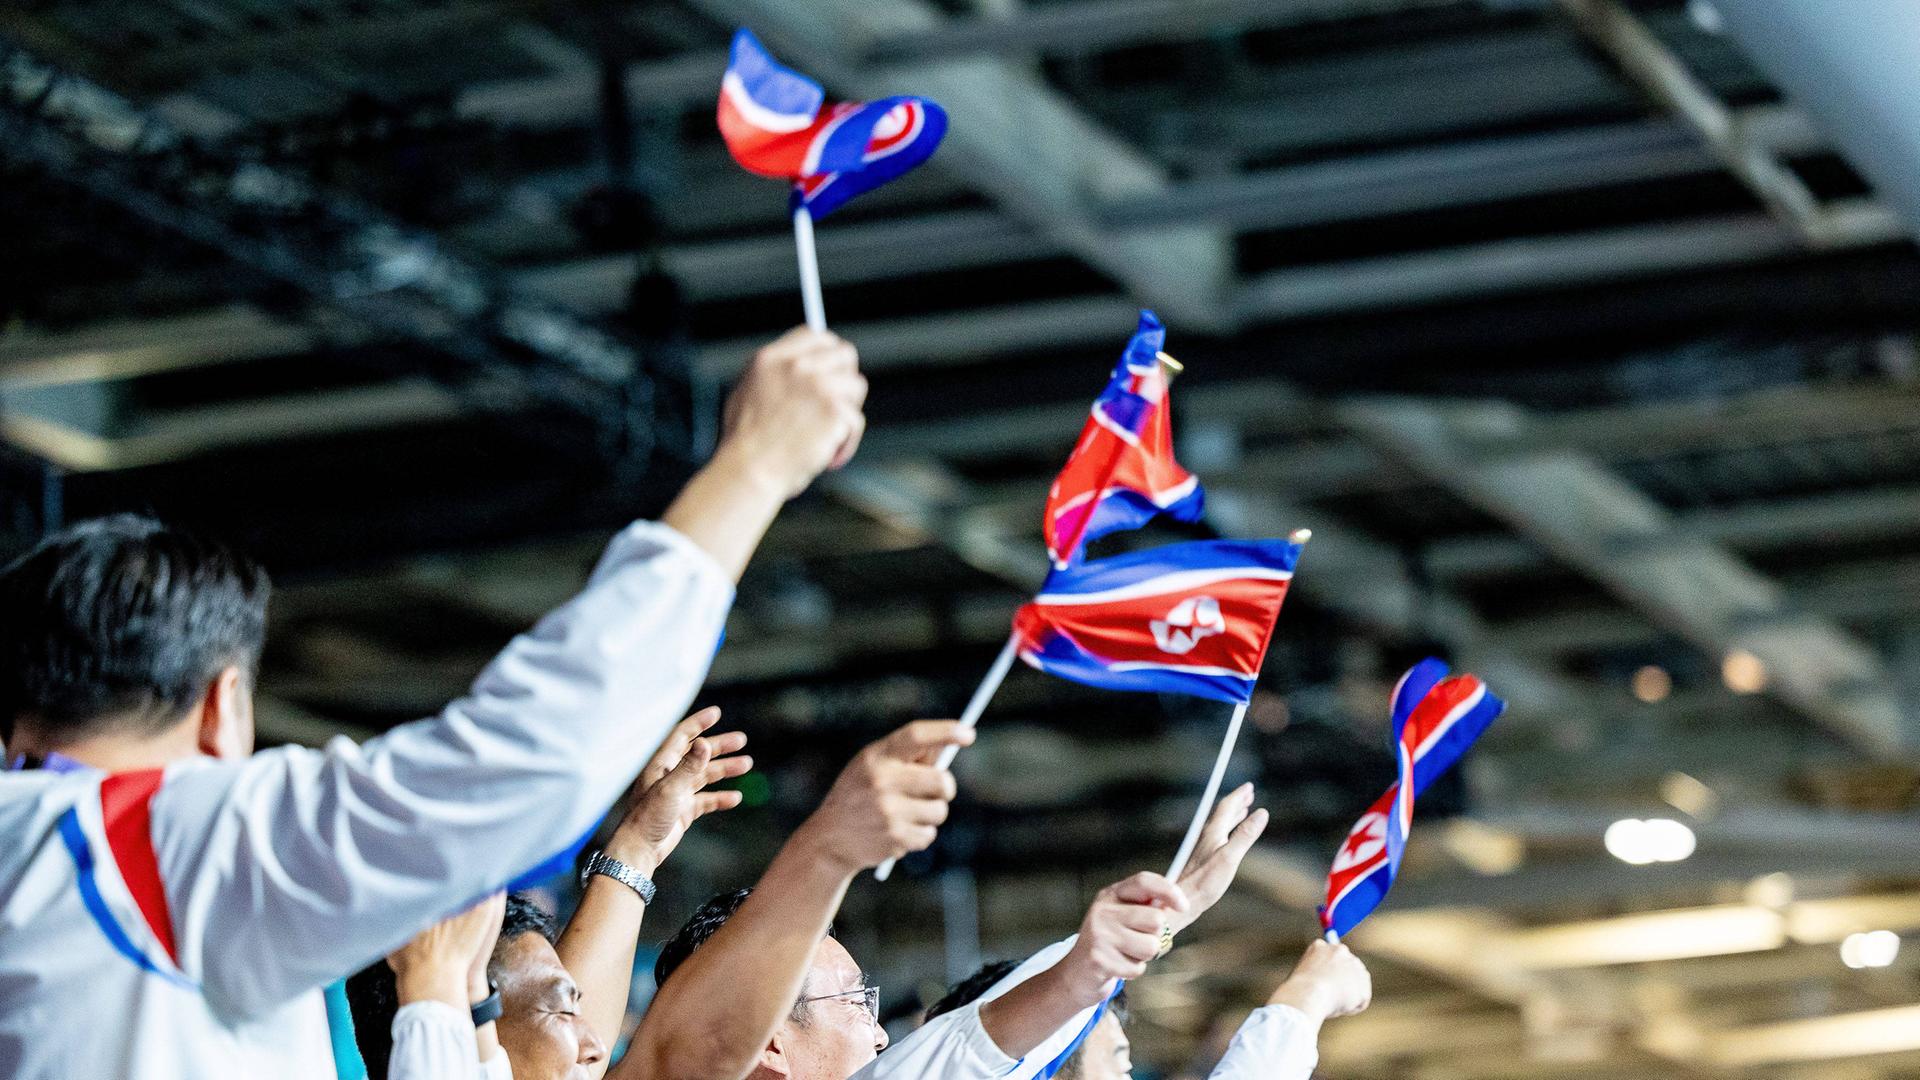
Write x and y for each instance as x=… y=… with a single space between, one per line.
x=432 y=1041
x=1277 y=1042
x=954 y=1046
x=297 y=866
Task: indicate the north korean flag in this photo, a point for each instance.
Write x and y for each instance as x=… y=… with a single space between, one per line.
x=1122 y=473
x=778 y=123
x=1435 y=719
x=1190 y=618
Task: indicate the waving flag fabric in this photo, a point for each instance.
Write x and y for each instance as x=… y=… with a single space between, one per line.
x=1121 y=473
x=1435 y=719
x=777 y=122
x=1186 y=618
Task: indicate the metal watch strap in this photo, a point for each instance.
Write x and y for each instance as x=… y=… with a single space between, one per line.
x=600 y=863
x=487 y=1009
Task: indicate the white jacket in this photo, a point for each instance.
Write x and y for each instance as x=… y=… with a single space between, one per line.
x=179 y=924
x=434 y=1041
x=1276 y=1043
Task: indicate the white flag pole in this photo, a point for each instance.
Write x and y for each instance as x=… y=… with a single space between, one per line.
x=810 y=299
x=1213 y=791
x=982 y=694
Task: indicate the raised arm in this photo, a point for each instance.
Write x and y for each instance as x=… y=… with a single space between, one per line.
x=716 y=1014
x=288 y=870
x=600 y=941
x=1280 y=1041
x=438 y=977
x=1028 y=1018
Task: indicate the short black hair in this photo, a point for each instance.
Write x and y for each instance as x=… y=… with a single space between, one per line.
x=123 y=618
x=704 y=924
x=523 y=917
x=373 y=997
x=968 y=990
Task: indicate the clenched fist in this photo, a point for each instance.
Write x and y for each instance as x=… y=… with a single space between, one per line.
x=797 y=411
x=1329 y=981
x=1120 y=934
x=890 y=799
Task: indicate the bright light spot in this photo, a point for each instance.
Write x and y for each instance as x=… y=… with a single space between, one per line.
x=1485 y=849
x=1652 y=684
x=1871 y=950
x=1658 y=840
x=1688 y=795
x=1743 y=672
x=1706 y=16
x=1770 y=891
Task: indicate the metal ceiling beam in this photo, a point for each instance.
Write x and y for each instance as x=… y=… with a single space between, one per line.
x=1854 y=73
x=1022 y=142
x=1364 y=579
x=1772 y=525
x=347 y=257
x=1873 y=595
x=1664 y=76
x=1083 y=26
x=1622 y=540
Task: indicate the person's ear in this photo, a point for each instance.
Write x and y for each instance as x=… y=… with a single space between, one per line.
x=226 y=716
x=774 y=1060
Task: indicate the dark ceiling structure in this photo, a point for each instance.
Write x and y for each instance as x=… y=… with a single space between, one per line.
x=1582 y=347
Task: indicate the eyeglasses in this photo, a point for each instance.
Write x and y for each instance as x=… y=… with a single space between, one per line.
x=869 y=999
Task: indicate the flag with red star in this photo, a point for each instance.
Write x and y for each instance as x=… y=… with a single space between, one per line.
x=1435 y=719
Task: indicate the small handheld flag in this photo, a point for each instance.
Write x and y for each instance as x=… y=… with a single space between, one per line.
x=778 y=123
x=1122 y=473
x=1435 y=720
x=1192 y=618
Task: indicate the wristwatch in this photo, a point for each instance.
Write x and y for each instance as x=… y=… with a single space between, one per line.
x=600 y=863
x=487 y=1009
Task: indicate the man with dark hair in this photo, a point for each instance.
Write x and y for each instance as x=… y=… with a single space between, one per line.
x=116 y=627
x=755 y=983
x=155 y=866
x=542 y=1028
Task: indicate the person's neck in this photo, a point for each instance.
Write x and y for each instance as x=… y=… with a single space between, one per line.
x=112 y=752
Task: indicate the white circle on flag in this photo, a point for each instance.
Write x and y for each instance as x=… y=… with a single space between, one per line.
x=1191 y=621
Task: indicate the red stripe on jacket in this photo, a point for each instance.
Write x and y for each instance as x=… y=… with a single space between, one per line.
x=126 y=804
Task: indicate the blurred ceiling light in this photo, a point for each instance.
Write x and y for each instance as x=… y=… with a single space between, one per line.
x=1657 y=840
x=1652 y=684
x=1485 y=849
x=1688 y=795
x=1743 y=672
x=1706 y=16
x=1771 y=891
x=1876 y=949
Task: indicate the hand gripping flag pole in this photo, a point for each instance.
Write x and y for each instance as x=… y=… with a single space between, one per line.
x=1143 y=361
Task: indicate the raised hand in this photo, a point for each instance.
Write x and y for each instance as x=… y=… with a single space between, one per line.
x=671 y=793
x=1329 y=981
x=441 y=962
x=1225 y=840
x=797 y=411
x=1120 y=934
x=890 y=799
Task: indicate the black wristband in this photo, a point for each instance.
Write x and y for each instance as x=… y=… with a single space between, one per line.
x=487 y=1009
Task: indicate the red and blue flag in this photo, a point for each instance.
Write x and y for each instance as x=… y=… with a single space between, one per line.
x=1122 y=473
x=1435 y=719
x=1192 y=618
x=778 y=123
